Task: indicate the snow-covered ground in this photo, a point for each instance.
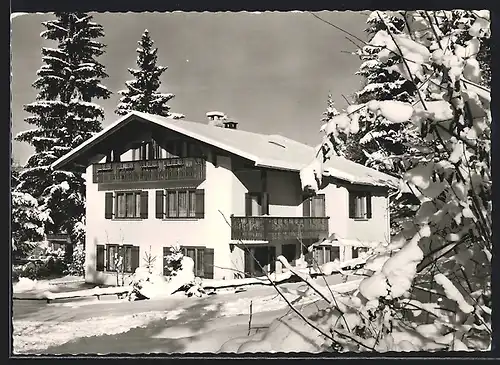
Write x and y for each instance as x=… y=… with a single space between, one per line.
x=25 y=285
x=199 y=325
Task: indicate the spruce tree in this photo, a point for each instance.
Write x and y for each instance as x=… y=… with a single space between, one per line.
x=330 y=111
x=381 y=146
x=142 y=92
x=378 y=144
x=64 y=117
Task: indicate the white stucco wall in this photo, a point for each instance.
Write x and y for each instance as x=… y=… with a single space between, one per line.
x=283 y=187
x=375 y=228
x=212 y=231
x=224 y=192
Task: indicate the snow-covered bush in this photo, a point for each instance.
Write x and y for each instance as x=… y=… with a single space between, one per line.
x=46 y=262
x=174 y=260
x=28 y=224
x=149 y=285
x=77 y=264
x=429 y=288
x=196 y=288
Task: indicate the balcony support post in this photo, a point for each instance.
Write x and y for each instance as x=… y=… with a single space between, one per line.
x=265 y=194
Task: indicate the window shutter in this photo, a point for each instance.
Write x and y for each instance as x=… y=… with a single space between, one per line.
x=208 y=263
x=100 y=258
x=135 y=258
x=200 y=203
x=248 y=205
x=108 y=205
x=159 y=204
x=368 y=205
x=352 y=205
x=166 y=251
x=265 y=203
x=144 y=204
x=306 y=207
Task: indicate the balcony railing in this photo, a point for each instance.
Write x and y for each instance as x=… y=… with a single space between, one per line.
x=150 y=170
x=267 y=228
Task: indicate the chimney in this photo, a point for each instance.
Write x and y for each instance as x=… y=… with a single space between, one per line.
x=230 y=124
x=219 y=119
x=215 y=118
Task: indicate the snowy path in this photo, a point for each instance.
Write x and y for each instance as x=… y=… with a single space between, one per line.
x=176 y=324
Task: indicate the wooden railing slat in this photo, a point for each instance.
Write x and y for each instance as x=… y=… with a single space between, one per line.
x=150 y=170
x=269 y=228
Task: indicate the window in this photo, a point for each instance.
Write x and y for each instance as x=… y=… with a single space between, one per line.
x=324 y=254
x=112 y=254
x=357 y=251
x=189 y=203
x=117 y=257
x=126 y=205
x=360 y=205
x=314 y=206
x=256 y=204
x=203 y=259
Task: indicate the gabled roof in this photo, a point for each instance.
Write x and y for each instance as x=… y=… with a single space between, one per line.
x=272 y=151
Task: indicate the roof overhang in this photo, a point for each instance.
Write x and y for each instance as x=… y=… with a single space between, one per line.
x=86 y=150
x=90 y=151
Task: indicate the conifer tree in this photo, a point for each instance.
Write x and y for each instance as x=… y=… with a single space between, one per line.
x=330 y=111
x=64 y=116
x=142 y=92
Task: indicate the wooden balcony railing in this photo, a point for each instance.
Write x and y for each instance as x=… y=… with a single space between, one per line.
x=150 y=170
x=268 y=228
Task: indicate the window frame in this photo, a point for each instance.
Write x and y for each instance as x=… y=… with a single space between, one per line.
x=122 y=250
x=309 y=207
x=137 y=204
x=365 y=202
x=326 y=253
x=196 y=249
x=190 y=204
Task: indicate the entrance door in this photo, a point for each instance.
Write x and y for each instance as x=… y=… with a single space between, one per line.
x=262 y=259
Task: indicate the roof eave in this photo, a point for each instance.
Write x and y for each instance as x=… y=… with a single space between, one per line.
x=64 y=160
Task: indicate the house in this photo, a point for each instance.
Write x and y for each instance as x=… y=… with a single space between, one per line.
x=231 y=199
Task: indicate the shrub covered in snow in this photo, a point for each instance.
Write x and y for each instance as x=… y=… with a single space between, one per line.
x=45 y=263
x=173 y=260
x=149 y=285
x=28 y=223
x=429 y=288
x=77 y=264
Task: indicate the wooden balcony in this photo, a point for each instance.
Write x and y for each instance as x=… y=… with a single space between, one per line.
x=172 y=169
x=267 y=228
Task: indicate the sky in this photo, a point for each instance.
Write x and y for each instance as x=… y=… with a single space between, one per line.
x=270 y=71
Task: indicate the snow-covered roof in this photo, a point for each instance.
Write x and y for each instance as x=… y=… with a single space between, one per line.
x=215 y=114
x=272 y=151
x=355 y=173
